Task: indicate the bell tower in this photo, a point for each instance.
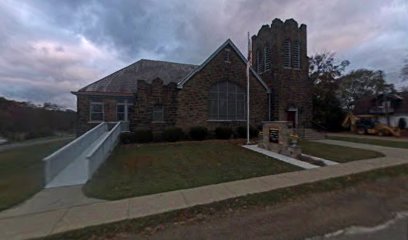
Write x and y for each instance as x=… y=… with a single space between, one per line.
x=280 y=58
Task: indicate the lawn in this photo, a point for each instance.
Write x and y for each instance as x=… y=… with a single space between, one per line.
x=21 y=172
x=385 y=143
x=337 y=153
x=152 y=168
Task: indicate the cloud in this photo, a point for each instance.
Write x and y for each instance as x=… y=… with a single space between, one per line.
x=49 y=49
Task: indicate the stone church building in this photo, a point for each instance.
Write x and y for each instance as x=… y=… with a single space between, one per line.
x=157 y=94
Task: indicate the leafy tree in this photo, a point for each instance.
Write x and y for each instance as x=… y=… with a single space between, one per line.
x=324 y=72
x=360 y=83
x=22 y=120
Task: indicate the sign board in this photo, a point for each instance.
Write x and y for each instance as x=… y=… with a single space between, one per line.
x=273 y=135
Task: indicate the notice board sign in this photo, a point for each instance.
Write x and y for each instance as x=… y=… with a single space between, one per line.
x=273 y=135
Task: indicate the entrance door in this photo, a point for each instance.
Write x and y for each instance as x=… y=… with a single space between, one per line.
x=291 y=117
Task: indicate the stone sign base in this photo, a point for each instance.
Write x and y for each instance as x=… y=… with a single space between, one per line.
x=276 y=138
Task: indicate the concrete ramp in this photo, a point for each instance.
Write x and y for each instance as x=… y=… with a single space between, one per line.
x=75 y=163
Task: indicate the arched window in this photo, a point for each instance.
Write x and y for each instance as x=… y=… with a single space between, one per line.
x=296 y=55
x=267 y=58
x=259 y=62
x=226 y=101
x=286 y=53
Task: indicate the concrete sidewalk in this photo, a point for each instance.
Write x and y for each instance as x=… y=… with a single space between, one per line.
x=30 y=224
x=281 y=157
x=352 y=135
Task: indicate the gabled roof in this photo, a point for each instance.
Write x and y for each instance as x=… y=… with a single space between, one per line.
x=124 y=81
x=400 y=105
x=225 y=44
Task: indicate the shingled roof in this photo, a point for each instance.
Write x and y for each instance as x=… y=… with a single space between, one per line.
x=125 y=80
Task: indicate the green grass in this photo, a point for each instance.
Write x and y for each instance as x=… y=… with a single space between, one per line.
x=21 y=172
x=379 y=142
x=337 y=153
x=152 y=168
x=271 y=198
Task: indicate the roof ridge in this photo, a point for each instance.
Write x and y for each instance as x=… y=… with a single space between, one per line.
x=162 y=61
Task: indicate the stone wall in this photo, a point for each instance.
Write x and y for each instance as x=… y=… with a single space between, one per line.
x=290 y=86
x=149 y=95
x=193 y=97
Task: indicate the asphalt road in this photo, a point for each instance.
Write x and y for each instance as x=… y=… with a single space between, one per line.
x=395 y=229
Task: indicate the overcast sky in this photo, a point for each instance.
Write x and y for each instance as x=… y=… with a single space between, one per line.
x=49 y=48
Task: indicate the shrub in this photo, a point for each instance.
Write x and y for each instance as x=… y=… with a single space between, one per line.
x=126 y=137
x=241 y=132
x=143 y=136
x=223 y=132
x=402 y=124
x=138 y=136
x=253 y=132
x=172 y=134
x=198 y=133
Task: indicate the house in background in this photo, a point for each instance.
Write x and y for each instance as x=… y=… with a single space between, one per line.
x=157 y=95
x=388 y=109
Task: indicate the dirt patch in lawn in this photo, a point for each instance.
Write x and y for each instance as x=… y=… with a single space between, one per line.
x=366 y=204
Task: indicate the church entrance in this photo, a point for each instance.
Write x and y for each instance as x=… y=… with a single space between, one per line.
x=291 y=116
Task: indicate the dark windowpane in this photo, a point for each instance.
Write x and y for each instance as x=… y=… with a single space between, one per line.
x=96 y=116
x=223 y=109
x=96 y=107
x=296 y=55
x=120 y=108
x=120 y=116
x=241 y=110
x=226 y=101
x=286 y=54
x=158 y=113
x=267 y=58
x=96 y=112
x=232 y=106
x=213 y=109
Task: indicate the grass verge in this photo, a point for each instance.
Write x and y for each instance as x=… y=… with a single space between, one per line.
x=21 y=172
x=337 y=153
x=254 y=200
x=135 y=170
x=379 y=142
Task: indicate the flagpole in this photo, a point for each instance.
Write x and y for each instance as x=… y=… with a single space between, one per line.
x=247 y=72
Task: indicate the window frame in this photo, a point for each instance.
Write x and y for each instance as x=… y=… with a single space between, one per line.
x=287 y=53
x=296 y=64
x=223 y=98
x=126 y=111
x=91 y=112
x=267 y=59
x=154 y=112
x=227 y=55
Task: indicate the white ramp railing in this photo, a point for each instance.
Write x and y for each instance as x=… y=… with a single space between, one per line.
x=60 y=159
x=103 y=149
